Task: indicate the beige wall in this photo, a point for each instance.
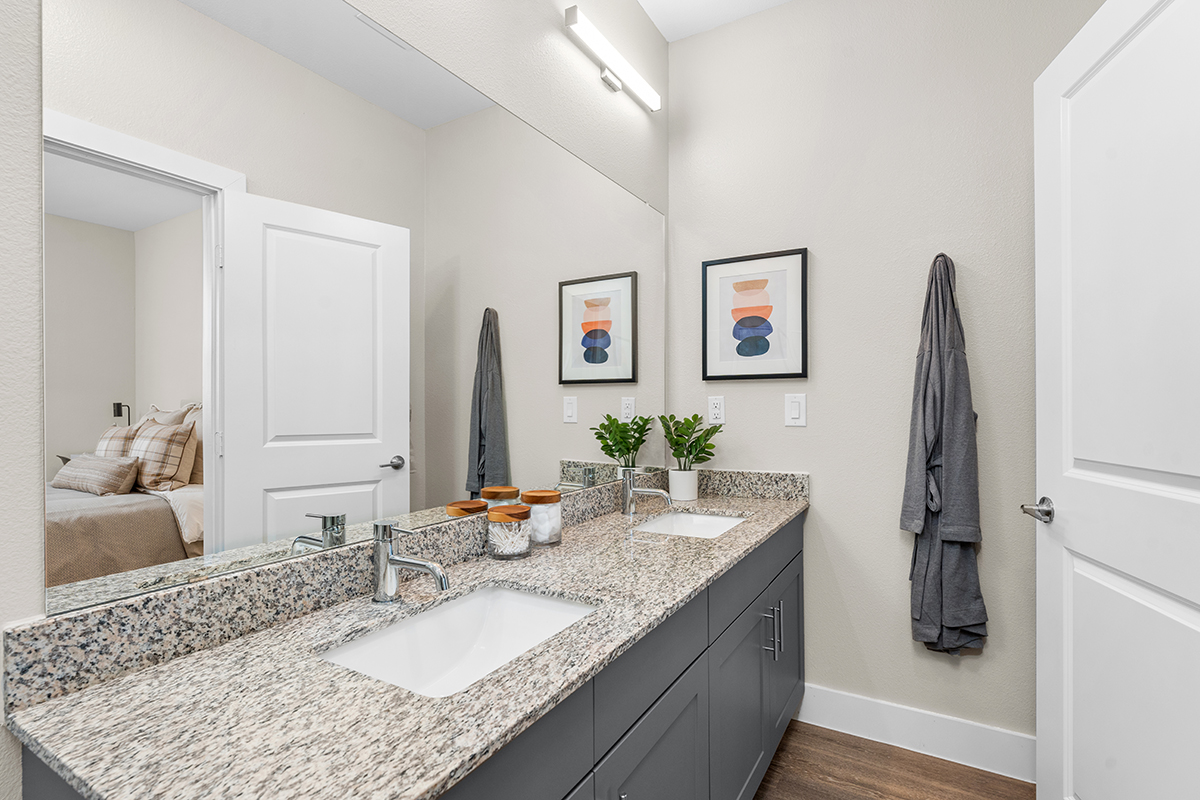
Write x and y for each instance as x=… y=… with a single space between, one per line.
x=89 y=310
x=169 y=313
x=21 y=468
x=537 y=71
x=876 y=134
x=509 y=215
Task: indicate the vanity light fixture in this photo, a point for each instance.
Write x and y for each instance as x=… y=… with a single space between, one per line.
x=616 y=70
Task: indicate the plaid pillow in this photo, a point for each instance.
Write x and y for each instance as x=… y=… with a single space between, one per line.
x=115 y=442
x=159 y=449
x=98 y=475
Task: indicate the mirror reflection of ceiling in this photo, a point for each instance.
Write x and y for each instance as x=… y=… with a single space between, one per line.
x=678 y=19
x=88 y=193
x=351 y=50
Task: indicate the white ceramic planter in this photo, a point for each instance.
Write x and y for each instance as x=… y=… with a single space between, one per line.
x=683 y=484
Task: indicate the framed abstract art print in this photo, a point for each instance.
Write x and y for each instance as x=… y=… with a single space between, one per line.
x=754 y=316
x=597 y=329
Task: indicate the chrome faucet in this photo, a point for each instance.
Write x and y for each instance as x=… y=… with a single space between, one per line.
x=387 y=565
x=333 y=534
x=629 y=494
x=587 y=479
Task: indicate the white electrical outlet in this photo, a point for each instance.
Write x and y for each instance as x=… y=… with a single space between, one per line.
x=716 y=410
x=627 y=409
x=570 y=409
x=795 y=410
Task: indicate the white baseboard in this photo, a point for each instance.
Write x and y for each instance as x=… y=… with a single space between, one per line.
x=953 y=739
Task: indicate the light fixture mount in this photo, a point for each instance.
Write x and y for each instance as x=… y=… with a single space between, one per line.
x=612 y=63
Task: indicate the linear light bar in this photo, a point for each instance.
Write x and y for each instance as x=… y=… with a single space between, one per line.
x=602 y=49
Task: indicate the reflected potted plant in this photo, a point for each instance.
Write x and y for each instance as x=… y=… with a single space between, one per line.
x=621 y=441
x=690 y=444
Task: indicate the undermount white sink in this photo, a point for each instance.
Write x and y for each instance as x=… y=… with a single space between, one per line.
x=682 y=523
x=447 y=648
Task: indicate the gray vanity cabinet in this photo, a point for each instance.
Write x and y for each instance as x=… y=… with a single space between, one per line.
x=665 y=755
x=755 y=685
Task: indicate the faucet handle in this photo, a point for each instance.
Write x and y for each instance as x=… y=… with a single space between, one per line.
x=385 y=530
x=330 y=521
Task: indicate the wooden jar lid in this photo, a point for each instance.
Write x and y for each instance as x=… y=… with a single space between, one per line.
x=499 y=493
x=465 y=508
x=538 y=497
x=508 y=513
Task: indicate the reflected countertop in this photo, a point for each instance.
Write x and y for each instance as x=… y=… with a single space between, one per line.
x=265 y=717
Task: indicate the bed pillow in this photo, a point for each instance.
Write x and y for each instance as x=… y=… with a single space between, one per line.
x=194 y=415
x=160 y=450
x=115 y=442
x=160 y=417
x=97 y=475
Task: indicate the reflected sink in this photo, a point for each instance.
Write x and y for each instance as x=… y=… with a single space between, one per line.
x=681 y=523
x=447 y=648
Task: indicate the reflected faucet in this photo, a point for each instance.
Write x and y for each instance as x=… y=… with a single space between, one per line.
x=386 y=565
x=629 y=494
x=333 y=534
x=587 y=480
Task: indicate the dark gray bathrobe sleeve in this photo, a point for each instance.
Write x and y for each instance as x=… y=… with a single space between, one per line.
x=941 y=489
x=487 y=458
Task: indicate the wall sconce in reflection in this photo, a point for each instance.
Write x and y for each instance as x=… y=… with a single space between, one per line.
x=616 y=72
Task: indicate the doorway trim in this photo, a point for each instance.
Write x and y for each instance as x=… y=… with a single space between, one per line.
x=84 y=141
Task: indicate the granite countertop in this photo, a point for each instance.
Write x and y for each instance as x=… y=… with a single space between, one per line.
x=265 y=717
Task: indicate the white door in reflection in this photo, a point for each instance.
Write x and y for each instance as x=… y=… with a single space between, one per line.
x=314 y=381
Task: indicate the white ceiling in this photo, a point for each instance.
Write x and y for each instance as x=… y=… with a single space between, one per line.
x=82 y=191
x=678 y=19
x=328 y=38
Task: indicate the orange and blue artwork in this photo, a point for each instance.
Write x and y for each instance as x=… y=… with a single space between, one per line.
x=597 y=323
x=753 y=317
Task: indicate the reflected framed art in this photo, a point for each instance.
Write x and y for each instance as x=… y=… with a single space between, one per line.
x=597 y=329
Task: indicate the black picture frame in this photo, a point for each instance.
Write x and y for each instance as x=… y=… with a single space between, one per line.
x=724 y=368
x=568 y=371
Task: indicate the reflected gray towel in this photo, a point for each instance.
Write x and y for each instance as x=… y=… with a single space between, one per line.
x=941 y=489
x=487 y=458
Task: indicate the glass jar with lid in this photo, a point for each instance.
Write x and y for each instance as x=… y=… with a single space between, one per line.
x=508 y=532
x=500 y=495
x=545 y=516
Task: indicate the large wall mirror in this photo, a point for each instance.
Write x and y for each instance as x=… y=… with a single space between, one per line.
x=220 y=365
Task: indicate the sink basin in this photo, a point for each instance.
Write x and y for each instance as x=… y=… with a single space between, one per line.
x=447 y=648
x=681 y=523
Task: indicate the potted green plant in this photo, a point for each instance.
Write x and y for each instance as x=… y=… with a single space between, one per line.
x=690 y=444
x=621 y=441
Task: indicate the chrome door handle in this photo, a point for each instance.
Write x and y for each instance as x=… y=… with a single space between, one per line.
x=779 y=636
x=1042 y=512
x=776 y=617
x=397 y=462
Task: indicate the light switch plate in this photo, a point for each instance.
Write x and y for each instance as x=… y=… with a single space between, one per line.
x=795 y=410
x=716 y=410
x=627 y=409
x=570 y=409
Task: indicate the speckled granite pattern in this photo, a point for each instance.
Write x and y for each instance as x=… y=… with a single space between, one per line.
x=106 y=589
x=265 y=717
x=747 y=483
x=55 y=656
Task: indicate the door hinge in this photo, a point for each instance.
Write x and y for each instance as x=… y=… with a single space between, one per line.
x=220 y=256
x=220 y=444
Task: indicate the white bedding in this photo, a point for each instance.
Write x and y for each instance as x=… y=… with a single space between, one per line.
x=187 y=504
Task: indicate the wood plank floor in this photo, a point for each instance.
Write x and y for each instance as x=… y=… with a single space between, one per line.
x=819 y=764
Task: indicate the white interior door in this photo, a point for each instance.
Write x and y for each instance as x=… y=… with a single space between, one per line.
x=1117 y=168
x=314 y=388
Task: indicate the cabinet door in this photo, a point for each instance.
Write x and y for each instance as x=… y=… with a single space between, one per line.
x=585 y=790
x=665 y=755
x=785 y=674
x=738 y=697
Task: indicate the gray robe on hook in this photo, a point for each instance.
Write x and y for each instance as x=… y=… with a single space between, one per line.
x=941 y=488
x=487 y=459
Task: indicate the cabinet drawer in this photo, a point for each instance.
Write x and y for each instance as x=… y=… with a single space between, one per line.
x=733 y=592
x=549 y=758
x=629 y=685
x=665 y=755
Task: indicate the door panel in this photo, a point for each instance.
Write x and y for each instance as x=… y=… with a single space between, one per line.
x=738 y=698
x=314 y=379
x=786 y=675
x=1117 y=191
x=665 y=756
